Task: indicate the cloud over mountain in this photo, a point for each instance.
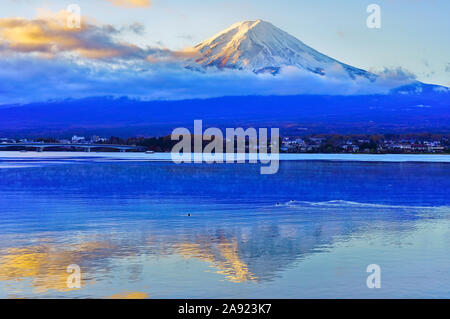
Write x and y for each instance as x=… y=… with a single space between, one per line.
x=41 y=59
x=43 y=79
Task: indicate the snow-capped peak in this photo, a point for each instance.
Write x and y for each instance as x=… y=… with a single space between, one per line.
x=259 y=46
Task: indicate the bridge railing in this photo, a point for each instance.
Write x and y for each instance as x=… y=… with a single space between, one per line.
x=87 y=147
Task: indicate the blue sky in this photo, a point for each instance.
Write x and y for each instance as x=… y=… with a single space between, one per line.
x=414 y=34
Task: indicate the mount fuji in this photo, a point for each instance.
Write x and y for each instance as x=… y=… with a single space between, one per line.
x=254 y=47
x=261 y=47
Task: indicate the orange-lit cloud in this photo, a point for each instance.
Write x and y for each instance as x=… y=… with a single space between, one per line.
x=45 y=265
x=131 y=3
x=50 y=34
x=130 y=295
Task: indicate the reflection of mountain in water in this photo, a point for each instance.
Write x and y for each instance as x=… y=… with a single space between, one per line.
x=258 y=256
x=97 y=215
x=255 y=250
x=224 y=256
x=261 y=249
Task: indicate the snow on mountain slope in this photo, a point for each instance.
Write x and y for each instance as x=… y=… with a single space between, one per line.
x=260 y=47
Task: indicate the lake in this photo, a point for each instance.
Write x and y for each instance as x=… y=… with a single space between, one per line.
x=144 y=229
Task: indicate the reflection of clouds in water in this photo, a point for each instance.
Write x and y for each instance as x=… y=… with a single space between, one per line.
x=130 y=295
x=46 y=265
x=235 y=228
x=248 y=254
x=255 y=251
x=224 y=256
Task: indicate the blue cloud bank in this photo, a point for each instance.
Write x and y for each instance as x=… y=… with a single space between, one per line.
x=24 y=79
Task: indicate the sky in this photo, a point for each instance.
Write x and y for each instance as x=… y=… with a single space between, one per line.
x=413 y=38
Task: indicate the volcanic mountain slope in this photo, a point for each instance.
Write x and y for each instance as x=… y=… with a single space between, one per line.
x=261 y=47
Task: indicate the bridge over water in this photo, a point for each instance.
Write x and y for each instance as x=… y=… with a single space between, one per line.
x=40 y=147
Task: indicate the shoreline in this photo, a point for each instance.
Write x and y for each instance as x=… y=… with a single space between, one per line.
x=17 y=156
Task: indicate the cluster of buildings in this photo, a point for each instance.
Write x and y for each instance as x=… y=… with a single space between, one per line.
x=74 y=140
x=414 y=146
x=5 y=140
x=297 y=144
x=348 y=145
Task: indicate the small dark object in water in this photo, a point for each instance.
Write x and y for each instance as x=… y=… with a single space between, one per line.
x=189 y=214
x=278 y=204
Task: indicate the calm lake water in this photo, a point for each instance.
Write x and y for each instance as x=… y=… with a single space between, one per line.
x=309 y=231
